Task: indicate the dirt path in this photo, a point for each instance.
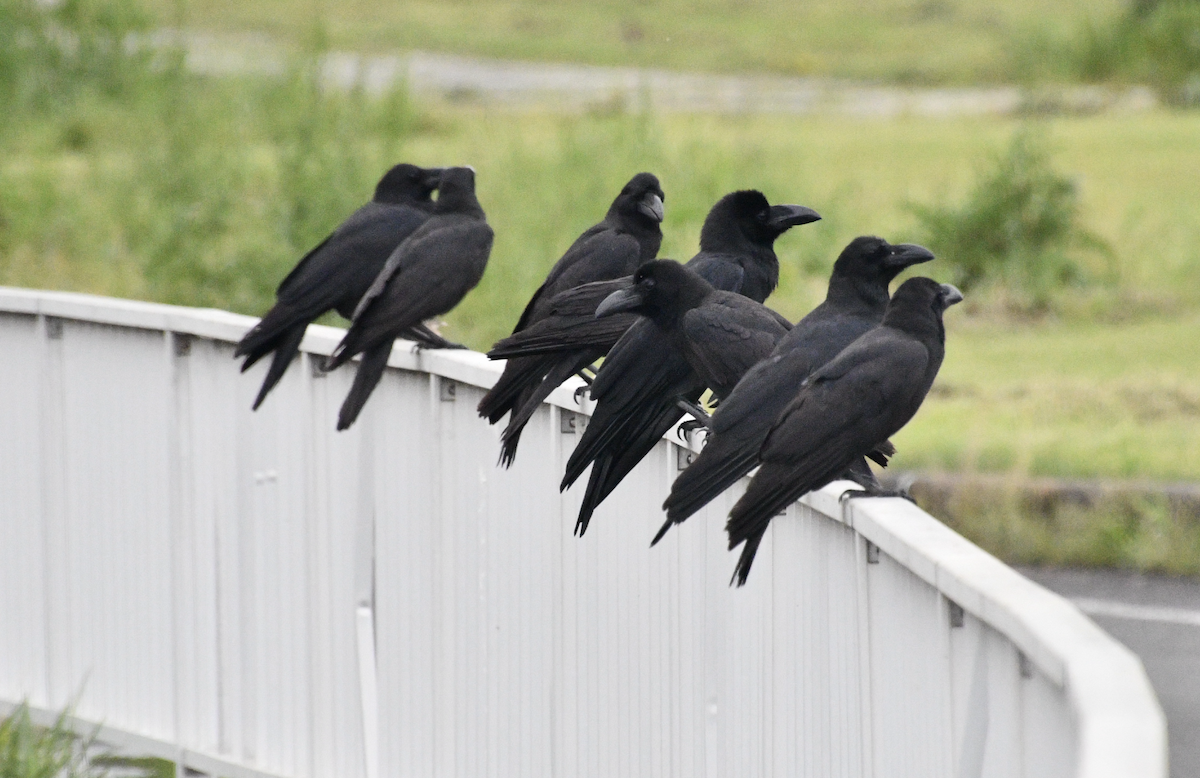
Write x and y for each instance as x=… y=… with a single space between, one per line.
x=575 y=88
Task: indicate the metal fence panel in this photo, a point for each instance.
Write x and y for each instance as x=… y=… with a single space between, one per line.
x=256 y=594
x=23 y=648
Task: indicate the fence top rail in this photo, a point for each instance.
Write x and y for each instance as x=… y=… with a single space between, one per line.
x=1122 y=730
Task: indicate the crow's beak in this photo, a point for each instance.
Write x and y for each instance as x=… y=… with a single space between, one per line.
x=951 y=295
x=433 y=177
x=908 y=254
x=652 y=206
x=781 y=217
x=620 y=301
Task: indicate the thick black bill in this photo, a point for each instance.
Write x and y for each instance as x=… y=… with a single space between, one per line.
x=433 y=177
x=909 y=254
x=619 y=301
x=784 y=216
x=951 y=295
x=652 y=205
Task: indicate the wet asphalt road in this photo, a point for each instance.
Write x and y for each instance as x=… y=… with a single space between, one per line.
x=1158 y=618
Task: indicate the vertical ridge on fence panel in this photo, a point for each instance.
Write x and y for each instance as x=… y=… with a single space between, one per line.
x=405 y=526
x=518 y=536
x=909 y=699
x=193 y=542
x=967 y=670
x=1002 y=754
x=571 y=690
x=1047 y=736
x=224 y=493
x=841 y=653
x=281 y=607
x=333 y=469
x=23 y=569
x=116 y=390
x=738 y=659
x=465 y=589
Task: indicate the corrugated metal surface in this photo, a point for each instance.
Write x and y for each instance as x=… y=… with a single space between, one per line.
x=269 y=595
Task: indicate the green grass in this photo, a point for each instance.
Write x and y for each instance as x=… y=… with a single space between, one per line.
x=57 y=751
x=909 y=41
x=1064 y=399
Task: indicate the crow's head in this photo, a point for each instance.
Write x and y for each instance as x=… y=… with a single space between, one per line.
x=874 y=260
x=662 y=289
x=408 y=184
x=747 y=216
x=641 y=199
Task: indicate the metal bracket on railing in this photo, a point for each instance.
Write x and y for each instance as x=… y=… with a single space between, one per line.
x=569 y=422
x=957 y=616
x=684 y=457
x=448 y=390
x=1025 y=665
x=54 y=327
x=872 y=553
x=182 y=343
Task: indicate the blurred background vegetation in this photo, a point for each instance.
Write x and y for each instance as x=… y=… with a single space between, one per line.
x=1076 y=234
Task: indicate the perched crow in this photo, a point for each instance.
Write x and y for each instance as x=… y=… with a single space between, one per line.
x=336 y=274
x=721 y=334
x=638 y=388
x=427 y=275
x=628 y=236
x=855 y=303
x=845 y=409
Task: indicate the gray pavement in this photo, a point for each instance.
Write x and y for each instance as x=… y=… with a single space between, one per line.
x=1158 y=618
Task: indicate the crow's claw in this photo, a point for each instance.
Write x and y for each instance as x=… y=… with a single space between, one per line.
x=855 y=494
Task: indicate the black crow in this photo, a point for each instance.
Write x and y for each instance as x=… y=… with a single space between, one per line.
x=855 y=303
x=427 y=275
x=721 y=334
x=845 y=409
x=336 y=274
x=638 y=388
x=628 y=236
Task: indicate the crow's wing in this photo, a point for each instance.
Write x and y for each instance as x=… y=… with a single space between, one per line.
x=598 y=254
x=727 y=335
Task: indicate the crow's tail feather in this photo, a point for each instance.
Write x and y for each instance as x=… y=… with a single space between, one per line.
x=285 y=351
x=370 y=370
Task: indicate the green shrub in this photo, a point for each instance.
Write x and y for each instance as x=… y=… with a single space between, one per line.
x=29 y=751
x=1156 y=42
x=51 y=54
x=1019 y=227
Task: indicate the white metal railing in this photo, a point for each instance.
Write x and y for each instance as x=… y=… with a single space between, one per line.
x=254 y=594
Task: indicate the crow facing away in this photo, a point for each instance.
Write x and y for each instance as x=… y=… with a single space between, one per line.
x=845 y=409
x=426 y=276
x=721 y=334
x=337 y=272
x=855 y=303
x=642 y=378
x=628 y=236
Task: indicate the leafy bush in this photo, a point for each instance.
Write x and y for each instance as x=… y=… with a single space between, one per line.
x=50 y=54
x=1154 y=41
x=1019 y=226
